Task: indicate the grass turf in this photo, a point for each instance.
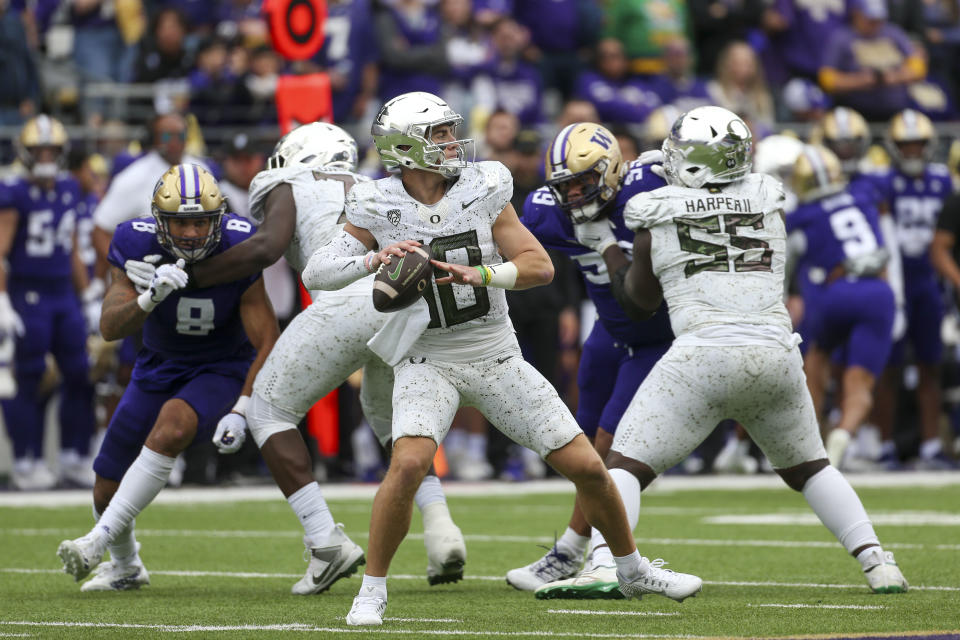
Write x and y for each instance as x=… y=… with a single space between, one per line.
x=224 y=570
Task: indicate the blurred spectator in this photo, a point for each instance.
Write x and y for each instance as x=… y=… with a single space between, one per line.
x=942 y=43
x=868 y=65
x=717 y=23
x=99 y=49
x=469 y=51
x=217 y=97
x=243 y=160
x=201 y=17
x=618 y=96
x=796 y=33
x=803 y=101
x=658 y=125
x=629 y=146
x=412 y=52
x=164 y=55
x=558 y=29
x=526 y=165
x=644 y=27
x=740 y=87
x=500 y=133
x=511 y=83
x=576 y=111
x=908 y=15
x=261 y=85
x=18 y=71
x=678 y=85
x=349 y=56
x=114 y=145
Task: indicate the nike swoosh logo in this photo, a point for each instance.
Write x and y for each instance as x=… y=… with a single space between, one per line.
x=502 y=360
x=325 y=555
x=467 y=204
x=396 y=272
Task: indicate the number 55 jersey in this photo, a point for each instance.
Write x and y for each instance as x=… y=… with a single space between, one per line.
x=192 y=331
x=719 y=256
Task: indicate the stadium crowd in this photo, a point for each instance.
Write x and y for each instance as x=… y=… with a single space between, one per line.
x=142 y=85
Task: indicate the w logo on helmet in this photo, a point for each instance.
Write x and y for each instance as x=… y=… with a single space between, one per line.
x=600 y=137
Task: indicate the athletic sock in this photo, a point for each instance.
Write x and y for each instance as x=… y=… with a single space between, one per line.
x=839 y=508
x=429 y=492
x=629 y=487
x=140 y=485
x=632 y=566
x=572 y=543
x=314 y=514
x=124 y=547
x=377 y=583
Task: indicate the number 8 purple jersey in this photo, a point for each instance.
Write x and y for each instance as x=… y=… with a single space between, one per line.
x=196 y=326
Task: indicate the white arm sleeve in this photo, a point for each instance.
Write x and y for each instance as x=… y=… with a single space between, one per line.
x=894 y=267
x=336 y=264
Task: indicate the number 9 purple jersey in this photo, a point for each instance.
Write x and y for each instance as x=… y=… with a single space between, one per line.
x=194 y=329
x=554 y=230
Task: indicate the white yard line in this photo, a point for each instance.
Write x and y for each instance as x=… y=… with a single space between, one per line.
x=818 y=606
x=543 y=540
x=314 y=629
x=666 y=484
x=586 y=612
x=420 y=576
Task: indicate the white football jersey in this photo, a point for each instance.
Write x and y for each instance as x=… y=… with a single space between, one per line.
x=719 y=255
x=459 y=229
x=319 y=197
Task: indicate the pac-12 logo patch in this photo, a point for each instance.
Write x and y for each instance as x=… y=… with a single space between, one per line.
x=394 y=216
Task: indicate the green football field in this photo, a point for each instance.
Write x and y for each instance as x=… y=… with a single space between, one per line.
x=222 y=562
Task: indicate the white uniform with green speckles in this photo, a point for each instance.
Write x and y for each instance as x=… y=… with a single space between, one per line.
x=469 y=355
x=719 y=257
x=327 y=342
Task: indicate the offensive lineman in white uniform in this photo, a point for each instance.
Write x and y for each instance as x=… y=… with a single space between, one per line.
x=463 y=349
x=298 y=202
x=713 y=243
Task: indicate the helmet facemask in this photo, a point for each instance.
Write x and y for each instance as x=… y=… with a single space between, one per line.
x=589 y=203
x=415 y=148
x=190 y=248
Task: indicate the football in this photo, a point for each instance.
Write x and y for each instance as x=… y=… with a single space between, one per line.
x=401 y=283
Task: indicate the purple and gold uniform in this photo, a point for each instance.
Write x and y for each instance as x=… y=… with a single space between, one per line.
x=194 y=349
x=619 y=352
x=915 y=203
x=40 y=283
x=848 y=306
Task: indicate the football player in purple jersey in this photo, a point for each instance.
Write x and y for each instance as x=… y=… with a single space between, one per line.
x=580 y=213
x=41 y=276
x=201 y=351
x=834 y=236
x=914 y=188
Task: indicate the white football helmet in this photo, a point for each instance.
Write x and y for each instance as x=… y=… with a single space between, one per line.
x=402 y=132
x=775 y=155
x=320 y=145
x=707 y=145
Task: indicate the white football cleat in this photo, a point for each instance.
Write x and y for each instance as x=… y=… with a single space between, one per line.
x=368 y=607
x=676 y=586
x=555 y=565
x=883 y=574
x=598 y=583
x=446 y=553
x=338 y=559
x=80 y=556
x=115 y=576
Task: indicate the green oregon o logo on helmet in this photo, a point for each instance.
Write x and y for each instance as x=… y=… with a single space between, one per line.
x=404 y=134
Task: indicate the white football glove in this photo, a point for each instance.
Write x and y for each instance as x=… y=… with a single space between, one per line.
x=167 y=279
x=141 y=272
x=92 y=299
x=231 y=433
x=596 y=234
x=10 y=322
x=653 y=157
x=899 y=323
